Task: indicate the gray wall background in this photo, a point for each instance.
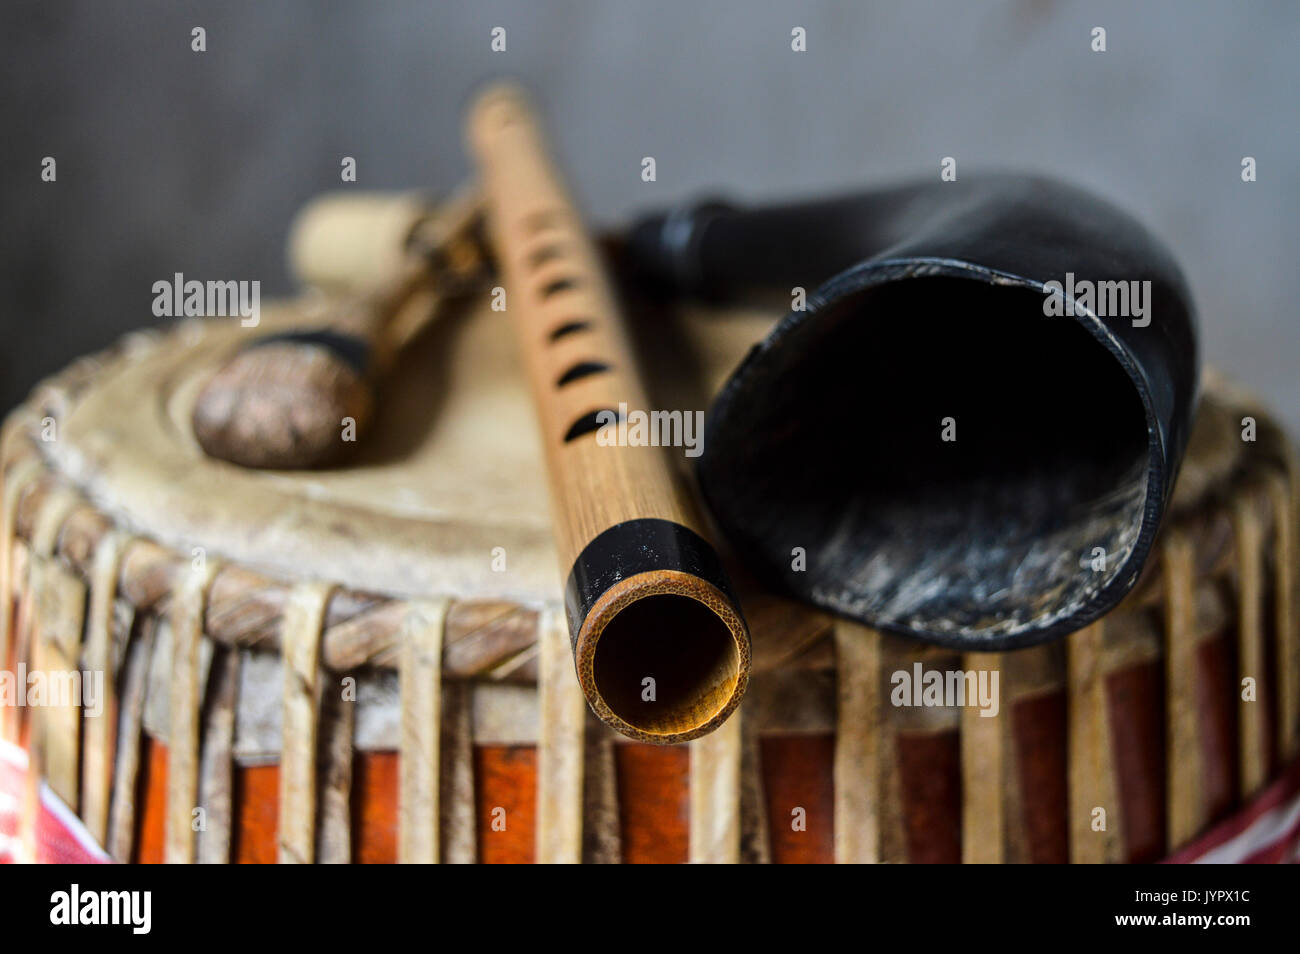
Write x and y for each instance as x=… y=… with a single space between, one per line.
x=170 y=160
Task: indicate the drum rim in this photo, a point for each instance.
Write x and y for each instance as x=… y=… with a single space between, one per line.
x=362 y=625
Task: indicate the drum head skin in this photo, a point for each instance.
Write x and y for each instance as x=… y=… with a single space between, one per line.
x=446 y=496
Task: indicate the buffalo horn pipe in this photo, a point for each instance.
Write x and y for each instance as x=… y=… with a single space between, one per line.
x=973 y=415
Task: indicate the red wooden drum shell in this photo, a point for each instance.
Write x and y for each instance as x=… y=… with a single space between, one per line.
x=331 y=667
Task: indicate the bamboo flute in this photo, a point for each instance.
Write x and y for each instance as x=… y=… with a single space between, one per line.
x=661 y=649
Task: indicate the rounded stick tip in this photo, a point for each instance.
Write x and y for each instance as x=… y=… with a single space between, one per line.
x=663 y=657
x=495 y=109
x=282 y=405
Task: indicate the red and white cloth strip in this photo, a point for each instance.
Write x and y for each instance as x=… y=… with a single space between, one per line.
x=60 y=837
x=1267 y=831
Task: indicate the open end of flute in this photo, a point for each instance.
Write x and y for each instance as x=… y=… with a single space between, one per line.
x=668 y=666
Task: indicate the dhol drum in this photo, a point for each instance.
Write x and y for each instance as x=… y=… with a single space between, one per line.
x=370 y=663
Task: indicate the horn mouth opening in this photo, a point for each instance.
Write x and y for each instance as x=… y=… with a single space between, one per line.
x=956 y=464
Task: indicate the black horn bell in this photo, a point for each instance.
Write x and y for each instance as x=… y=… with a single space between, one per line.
x=971 y=431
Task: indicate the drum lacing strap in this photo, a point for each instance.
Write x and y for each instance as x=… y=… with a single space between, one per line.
x=16 y=483
x=337 y=722
x=1184 y=759
x=44 y=610
x=857 y=772
x=1248 y=536
x=420 y=686
x=52 y=611
x=984 y=743
x=96 y=774
x=216 y=758
x=1091 y=779
x=715 y=794
x=1284 y=490
x=300 y=637
x=755 y=833
x=563 y=714
x=185 y=689
x=135 y=679
x=459 y=842
x=602 y=839
x=16 y=429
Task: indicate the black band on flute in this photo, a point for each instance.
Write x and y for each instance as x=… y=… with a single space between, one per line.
x=632 y=547
x=348 y=348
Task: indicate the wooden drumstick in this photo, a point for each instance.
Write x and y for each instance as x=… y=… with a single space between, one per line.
x=661 y=648
x=281 y=401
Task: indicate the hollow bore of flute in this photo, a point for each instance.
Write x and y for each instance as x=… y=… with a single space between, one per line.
x=666 y=664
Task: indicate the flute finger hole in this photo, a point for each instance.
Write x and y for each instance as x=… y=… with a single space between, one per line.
x=557 y=286
x=592 y=422
x=579 y=371
x=545 y=254
x=569 y=328
x=540 y=221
